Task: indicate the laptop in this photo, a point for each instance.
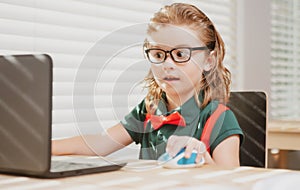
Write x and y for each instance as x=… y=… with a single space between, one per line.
x=26 y=121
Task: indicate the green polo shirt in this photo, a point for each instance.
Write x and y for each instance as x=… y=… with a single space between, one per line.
x=153 y=142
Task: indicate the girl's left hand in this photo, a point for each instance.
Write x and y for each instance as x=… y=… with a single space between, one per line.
x=176 y=143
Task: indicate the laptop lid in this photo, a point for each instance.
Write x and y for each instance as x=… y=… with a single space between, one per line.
x=25 y=113
x=26 y=120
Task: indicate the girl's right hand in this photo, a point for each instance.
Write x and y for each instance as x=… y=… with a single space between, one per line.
x=176 y=143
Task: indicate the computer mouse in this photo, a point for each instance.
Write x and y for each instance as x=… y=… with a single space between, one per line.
x=179 y=161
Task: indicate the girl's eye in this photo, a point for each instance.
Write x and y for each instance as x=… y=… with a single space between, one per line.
x=182 y=53
x=158 y=55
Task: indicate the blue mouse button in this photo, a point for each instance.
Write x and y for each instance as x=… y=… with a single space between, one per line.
x=190 y=160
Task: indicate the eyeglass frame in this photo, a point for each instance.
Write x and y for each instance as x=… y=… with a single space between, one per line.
x=191 y=49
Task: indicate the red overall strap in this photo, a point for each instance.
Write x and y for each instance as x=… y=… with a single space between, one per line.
x=210 y=123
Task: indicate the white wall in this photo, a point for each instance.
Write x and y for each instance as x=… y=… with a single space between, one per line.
x=254 y=44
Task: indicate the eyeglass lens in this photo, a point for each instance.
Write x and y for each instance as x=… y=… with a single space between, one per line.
x=178 y=55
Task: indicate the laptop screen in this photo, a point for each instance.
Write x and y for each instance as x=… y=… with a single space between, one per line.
x=25 y=110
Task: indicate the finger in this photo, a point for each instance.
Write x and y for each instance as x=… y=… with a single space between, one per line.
x=173 y=145
x=176 y=143
x=176 y=149
x=199 y=157
x=189 y=149
x=170 y=143
x=202 y=147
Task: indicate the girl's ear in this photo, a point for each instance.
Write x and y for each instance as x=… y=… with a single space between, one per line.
x=210 y=61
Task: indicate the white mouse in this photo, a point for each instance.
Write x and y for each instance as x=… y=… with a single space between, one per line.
x=179 y=161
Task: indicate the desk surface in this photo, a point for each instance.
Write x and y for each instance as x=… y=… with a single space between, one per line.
x=284 y=135
x=148 y=175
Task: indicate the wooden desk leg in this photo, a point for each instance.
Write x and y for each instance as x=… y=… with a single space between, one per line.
x=283 y=159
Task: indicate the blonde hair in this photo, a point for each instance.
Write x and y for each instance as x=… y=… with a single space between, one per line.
x=216 y=82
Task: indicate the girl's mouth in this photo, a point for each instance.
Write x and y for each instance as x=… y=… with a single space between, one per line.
x=171 y=78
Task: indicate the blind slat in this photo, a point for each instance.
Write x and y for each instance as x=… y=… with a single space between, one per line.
x=31 y=14
x=84 y=9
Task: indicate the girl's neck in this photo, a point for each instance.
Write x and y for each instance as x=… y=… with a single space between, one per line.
x=176 y=101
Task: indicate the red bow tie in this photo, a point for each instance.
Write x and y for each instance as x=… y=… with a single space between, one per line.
x=159 y=120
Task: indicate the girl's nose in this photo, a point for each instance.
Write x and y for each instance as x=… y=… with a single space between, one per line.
x=169 y=62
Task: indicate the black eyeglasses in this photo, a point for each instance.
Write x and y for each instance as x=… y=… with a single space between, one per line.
x=178 y=55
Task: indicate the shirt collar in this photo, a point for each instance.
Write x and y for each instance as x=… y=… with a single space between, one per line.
x=189 y=110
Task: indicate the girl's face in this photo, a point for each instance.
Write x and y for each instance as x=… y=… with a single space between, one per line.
x=177 y=79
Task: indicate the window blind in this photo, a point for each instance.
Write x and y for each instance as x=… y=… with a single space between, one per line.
x=67 y=30
x=285 y=66
x=72 y=32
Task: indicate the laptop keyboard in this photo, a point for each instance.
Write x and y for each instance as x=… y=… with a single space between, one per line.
x=57 y=166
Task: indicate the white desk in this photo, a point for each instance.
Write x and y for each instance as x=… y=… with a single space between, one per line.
x=147 y=175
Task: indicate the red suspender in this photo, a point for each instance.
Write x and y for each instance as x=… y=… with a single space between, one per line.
x=210 y=123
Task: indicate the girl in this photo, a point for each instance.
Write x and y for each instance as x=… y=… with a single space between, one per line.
x=186 y=83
